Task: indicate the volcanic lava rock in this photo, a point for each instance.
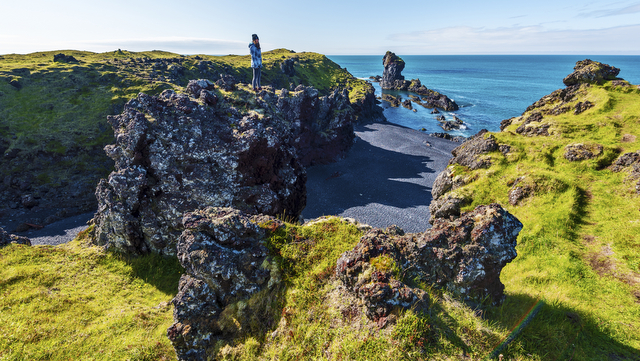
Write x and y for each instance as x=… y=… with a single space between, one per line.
x=392 y=79
x=6 y=238
x=465 y=256
x=471 y=154
x=179 y=152
x=592 y=72
x=226 y=262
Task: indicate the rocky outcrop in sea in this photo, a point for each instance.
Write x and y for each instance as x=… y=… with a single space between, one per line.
x=392 y=79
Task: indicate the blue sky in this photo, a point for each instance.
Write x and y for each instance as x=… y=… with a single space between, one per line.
x=332 y=27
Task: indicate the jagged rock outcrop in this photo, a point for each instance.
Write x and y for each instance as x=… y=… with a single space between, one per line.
x=464 y=256
x=231 y=284
x=226 y=262
x=63 y=58
x=592 y=72
x=366 y=108
x=370 y=272
x=586 y=72
x=321 y=126
x=519 y=190
x=630 y=163
x=6 y=238
x=174 y=154
x=580 y=151
x=471 y=154
x=392 y=79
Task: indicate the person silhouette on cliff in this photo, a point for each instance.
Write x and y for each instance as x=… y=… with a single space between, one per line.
x=256 y=62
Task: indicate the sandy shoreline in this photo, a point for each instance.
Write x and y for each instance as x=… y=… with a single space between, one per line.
x=384 y=179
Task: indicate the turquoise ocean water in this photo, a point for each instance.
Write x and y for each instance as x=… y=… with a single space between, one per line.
x=488 y=88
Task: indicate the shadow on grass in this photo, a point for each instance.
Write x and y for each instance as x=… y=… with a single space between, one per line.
x=161 y=272
x=556 y=332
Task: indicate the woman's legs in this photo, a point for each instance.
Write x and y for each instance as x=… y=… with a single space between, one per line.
x=257 y=74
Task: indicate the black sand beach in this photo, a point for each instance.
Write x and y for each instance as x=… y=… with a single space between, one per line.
x=385 y=179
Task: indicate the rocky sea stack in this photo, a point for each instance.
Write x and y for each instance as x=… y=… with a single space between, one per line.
x=392 y=79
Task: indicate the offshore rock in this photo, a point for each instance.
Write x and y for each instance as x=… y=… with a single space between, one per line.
x=464 y=256
x=592 y=72
x=6 y=238
x=392 y=79
x=226 y=263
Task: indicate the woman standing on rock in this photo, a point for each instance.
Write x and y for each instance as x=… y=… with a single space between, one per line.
x=256 y=62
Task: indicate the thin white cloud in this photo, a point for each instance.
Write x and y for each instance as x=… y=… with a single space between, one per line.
x=180 y=45
x=631 y=9
x=173 y=44
x=520 y=40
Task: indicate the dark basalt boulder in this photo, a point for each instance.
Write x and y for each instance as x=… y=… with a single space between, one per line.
x=519 y=191
x=471 y=154
x=15 y=83
x=226 y=262
x=6 y=238
x=579 y=151
x=464 y=256
x=62 y=58
x=232 y=285
x=531 y=126
x=592 y=72
x=630 y=163
x=179 y=152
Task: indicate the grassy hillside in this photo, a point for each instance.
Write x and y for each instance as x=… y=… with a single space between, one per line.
x=579 y=250
x=577 y=274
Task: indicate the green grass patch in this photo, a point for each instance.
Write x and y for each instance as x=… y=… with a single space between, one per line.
x=76 y=302
x=578 y=251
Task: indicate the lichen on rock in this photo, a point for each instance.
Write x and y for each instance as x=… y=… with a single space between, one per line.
x=228 y=274
x=179 y=152
x=589 y=71
x=464 y=256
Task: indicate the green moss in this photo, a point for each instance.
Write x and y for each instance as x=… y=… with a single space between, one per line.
x=577 y=249
x=71 y=302
x=385 y=263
